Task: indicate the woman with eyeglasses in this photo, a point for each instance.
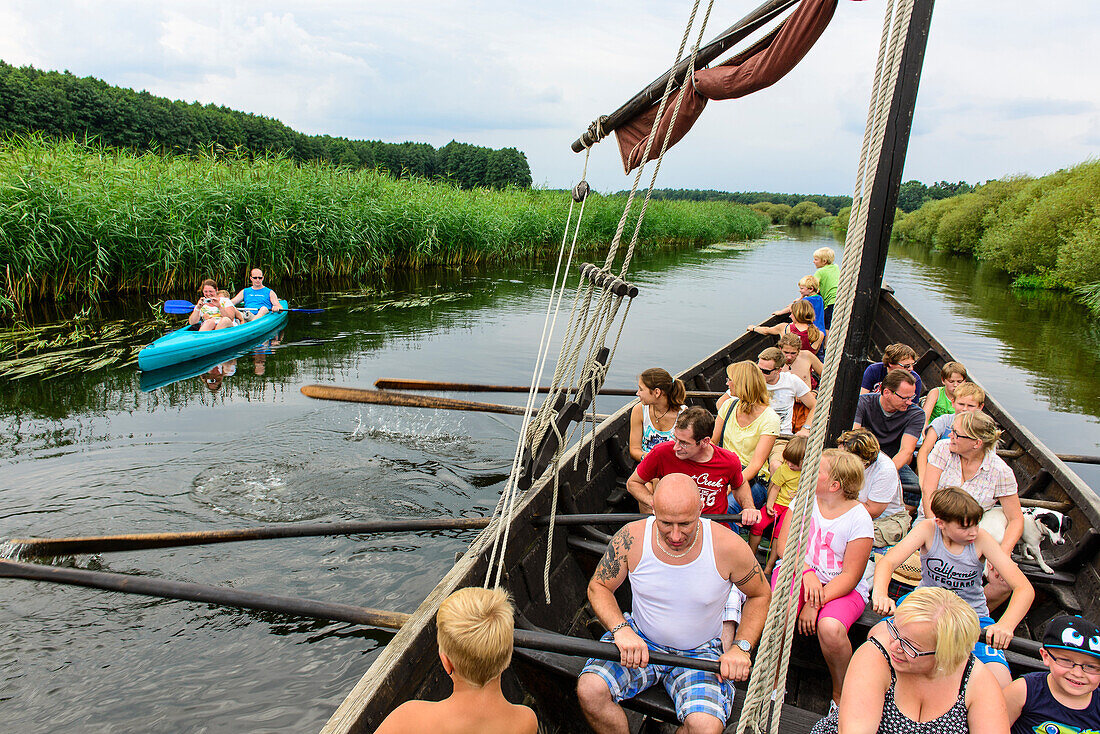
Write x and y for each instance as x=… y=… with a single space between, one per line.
x=916 y=674
x=968 y=459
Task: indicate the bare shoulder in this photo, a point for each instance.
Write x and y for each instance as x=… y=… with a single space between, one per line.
x=983 y=686
x=410 y=716
x=732 y=554
x=615 y=563
x=526 y=721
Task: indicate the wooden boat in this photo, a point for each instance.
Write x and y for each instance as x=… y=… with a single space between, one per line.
x=185 y=345
x=409 y=667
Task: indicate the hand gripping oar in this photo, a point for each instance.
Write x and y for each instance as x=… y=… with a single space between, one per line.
x=182 y=307
x=380 y=397
x=146 y=541
x=146 y=586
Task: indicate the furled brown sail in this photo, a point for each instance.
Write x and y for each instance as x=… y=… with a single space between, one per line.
x=763 y=64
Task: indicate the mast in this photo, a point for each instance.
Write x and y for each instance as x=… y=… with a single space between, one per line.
x=880 y=221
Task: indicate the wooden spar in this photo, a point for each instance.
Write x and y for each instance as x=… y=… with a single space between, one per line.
x=388 y=383
x=223 y=596
x=880 y=205
x=150 y=541
x=379 y=397
x=1069 y=458
x=652 y=94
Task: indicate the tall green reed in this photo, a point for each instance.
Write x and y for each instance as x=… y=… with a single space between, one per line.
x=77 y=221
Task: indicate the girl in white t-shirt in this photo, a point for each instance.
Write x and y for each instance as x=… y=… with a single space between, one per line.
x=834 y=579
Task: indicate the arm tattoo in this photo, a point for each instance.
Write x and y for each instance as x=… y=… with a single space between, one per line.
x=755 y=572
x=614 y=559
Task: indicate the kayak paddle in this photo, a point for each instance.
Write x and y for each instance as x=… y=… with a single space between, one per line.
x=182 y=307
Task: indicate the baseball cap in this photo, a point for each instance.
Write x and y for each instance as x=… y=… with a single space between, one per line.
x=1073 y=633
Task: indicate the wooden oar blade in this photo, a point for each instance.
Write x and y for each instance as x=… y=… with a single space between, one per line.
x=378 y=397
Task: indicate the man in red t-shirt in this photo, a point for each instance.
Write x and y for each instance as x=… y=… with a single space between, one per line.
x=715 y=470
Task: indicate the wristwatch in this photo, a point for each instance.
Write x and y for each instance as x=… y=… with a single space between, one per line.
x=743 y=645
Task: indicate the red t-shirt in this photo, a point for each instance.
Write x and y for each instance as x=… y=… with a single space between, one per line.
x=715 y=478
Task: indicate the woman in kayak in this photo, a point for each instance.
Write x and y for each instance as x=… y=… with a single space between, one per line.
x=210 y=312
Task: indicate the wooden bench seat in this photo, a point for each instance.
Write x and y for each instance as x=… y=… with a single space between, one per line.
x=655 y=702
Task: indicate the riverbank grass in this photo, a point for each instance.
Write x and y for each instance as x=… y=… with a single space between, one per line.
x=78 y=220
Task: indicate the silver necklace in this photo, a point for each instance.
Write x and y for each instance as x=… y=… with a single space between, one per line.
x=670 y=554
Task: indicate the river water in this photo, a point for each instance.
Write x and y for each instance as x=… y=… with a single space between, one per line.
x=95 y=454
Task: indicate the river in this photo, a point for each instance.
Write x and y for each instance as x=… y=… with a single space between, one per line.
x=94 y=454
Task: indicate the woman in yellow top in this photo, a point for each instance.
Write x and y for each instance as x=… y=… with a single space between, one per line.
x=747 y=425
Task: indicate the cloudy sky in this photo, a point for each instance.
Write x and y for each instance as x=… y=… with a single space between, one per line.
x=1008 y=86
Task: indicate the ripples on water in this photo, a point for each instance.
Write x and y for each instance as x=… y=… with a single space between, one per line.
x=95 y=455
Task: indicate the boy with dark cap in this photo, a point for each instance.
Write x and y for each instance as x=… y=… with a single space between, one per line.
x=1063 y=700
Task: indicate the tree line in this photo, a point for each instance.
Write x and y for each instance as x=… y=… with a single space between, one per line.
x=60 y=104
x=831 y=204
x=1044 y=231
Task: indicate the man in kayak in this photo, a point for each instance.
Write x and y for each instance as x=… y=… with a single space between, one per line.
x=258 y=296
x=679 y=607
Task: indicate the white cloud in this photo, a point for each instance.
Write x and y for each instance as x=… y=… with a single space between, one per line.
x=1007 y=86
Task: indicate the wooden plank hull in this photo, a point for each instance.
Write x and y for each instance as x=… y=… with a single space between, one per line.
x=409 y=667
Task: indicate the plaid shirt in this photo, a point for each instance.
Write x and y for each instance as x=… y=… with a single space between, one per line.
x=992 y=480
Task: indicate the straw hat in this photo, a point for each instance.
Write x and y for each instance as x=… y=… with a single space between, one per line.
x=909 y=572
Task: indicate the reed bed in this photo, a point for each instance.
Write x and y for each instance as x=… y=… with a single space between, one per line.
x=78 y=221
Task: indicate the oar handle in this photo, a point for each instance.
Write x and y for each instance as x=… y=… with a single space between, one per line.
x=147 y=586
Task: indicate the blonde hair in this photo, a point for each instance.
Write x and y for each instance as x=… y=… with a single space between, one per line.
x=789 y=340
x=802 y=312
x=846 y=469
x=795 y=450
x=774 y=355
x=811 y=282
x=978 y=425
x=862 y=443
x=953 y=621
x=223 y=293
x=953 y=368
x=825 y=255
x=748 y=386
x=970 y=389
x=474 y=630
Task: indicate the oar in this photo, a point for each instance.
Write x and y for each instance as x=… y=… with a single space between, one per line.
x=182 y=307
x=387 y=383
x=379 y=397
x=146 y=586
x=148 y=541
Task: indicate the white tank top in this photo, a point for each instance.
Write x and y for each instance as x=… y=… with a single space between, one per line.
x=679 y=606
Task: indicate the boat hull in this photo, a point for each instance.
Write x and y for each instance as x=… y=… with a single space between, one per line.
x=184 y=345
x=408 y=668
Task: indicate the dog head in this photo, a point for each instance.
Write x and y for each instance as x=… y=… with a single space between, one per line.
x=1054 y=525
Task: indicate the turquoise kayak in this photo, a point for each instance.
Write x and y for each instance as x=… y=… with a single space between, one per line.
x=184 y=344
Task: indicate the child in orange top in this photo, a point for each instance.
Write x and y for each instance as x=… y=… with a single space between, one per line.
x=474 y=632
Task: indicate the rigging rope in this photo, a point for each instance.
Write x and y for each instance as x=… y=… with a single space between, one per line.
x=587 y=326
x=764 y=699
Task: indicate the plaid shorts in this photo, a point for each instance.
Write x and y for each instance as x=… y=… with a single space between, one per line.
x=692 y=691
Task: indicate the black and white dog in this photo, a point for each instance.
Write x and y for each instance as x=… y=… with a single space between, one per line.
x=1038 y=523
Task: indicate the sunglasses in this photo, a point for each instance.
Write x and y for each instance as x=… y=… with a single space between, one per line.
x=906 y=646
x=767 y=372
x=257 y=277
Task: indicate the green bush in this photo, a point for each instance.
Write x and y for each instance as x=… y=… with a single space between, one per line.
x=805 y=213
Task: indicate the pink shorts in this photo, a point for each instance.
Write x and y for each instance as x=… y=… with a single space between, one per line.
x=846 y=610
x=766 y=520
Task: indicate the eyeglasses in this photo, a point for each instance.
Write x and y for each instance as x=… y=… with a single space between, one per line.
x=959 y=435
x=903 y=366
x=685 y=444
x=1067 y=664
x=906 y=646
x=904 y=398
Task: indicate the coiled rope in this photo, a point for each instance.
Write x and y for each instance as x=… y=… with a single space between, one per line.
x=767 y=686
